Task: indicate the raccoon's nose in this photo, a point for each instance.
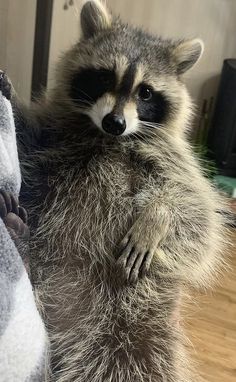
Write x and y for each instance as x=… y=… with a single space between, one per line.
x=114 y=124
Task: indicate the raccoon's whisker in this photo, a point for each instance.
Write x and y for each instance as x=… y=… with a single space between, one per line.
x=86 y=95
x=147 y=133
x=142 y=136
x=77 y=100
x=83 y=104
x=79 y=103
x=152 y=124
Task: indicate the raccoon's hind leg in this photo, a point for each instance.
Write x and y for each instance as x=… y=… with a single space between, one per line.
x=14 y=216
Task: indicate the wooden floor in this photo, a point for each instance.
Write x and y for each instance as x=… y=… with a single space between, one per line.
x=212 y=330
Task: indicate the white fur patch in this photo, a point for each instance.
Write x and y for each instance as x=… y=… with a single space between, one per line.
x=131 y=118
x=100 y=109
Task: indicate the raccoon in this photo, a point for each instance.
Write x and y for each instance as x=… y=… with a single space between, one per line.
x=122 y=217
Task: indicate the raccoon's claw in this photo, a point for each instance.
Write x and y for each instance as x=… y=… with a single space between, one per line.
x=14 y=216
x=134 y=261
x=5 y=85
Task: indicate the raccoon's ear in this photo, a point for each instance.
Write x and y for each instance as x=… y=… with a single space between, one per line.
x=187 y=54
x=94 y=17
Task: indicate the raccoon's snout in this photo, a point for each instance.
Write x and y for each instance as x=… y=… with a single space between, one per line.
x=114 y=124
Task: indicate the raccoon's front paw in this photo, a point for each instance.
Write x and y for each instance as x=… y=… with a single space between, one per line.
x=14 y=216
x=137 y=251
x=5 y=85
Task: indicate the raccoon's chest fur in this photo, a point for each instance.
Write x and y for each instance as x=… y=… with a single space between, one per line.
x=92 y=317
x=88 y=210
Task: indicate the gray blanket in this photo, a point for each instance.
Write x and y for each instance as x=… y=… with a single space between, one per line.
x=22 y=334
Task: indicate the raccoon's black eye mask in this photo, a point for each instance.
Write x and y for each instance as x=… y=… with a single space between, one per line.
x=90 y=84
x=152 y=106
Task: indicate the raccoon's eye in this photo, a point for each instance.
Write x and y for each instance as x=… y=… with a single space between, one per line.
x=145 y=93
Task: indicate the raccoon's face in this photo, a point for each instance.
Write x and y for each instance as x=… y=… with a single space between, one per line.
x=124 y=80
x=116 y=100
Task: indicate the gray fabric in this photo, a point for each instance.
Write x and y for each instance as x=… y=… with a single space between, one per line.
x=10 y=262
x=9 y=166
x=10 y=270
x=22 y=335
x=5 y=124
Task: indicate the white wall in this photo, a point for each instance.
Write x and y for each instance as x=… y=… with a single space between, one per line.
x=212 y=20
x=3 y=32
x=64 y=32
x=17 y=26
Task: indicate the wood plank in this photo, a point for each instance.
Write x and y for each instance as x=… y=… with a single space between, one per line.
x=211 y=327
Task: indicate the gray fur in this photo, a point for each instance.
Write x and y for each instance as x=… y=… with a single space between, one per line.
x=94 y=18
x=187 y=53
x=87 y=191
